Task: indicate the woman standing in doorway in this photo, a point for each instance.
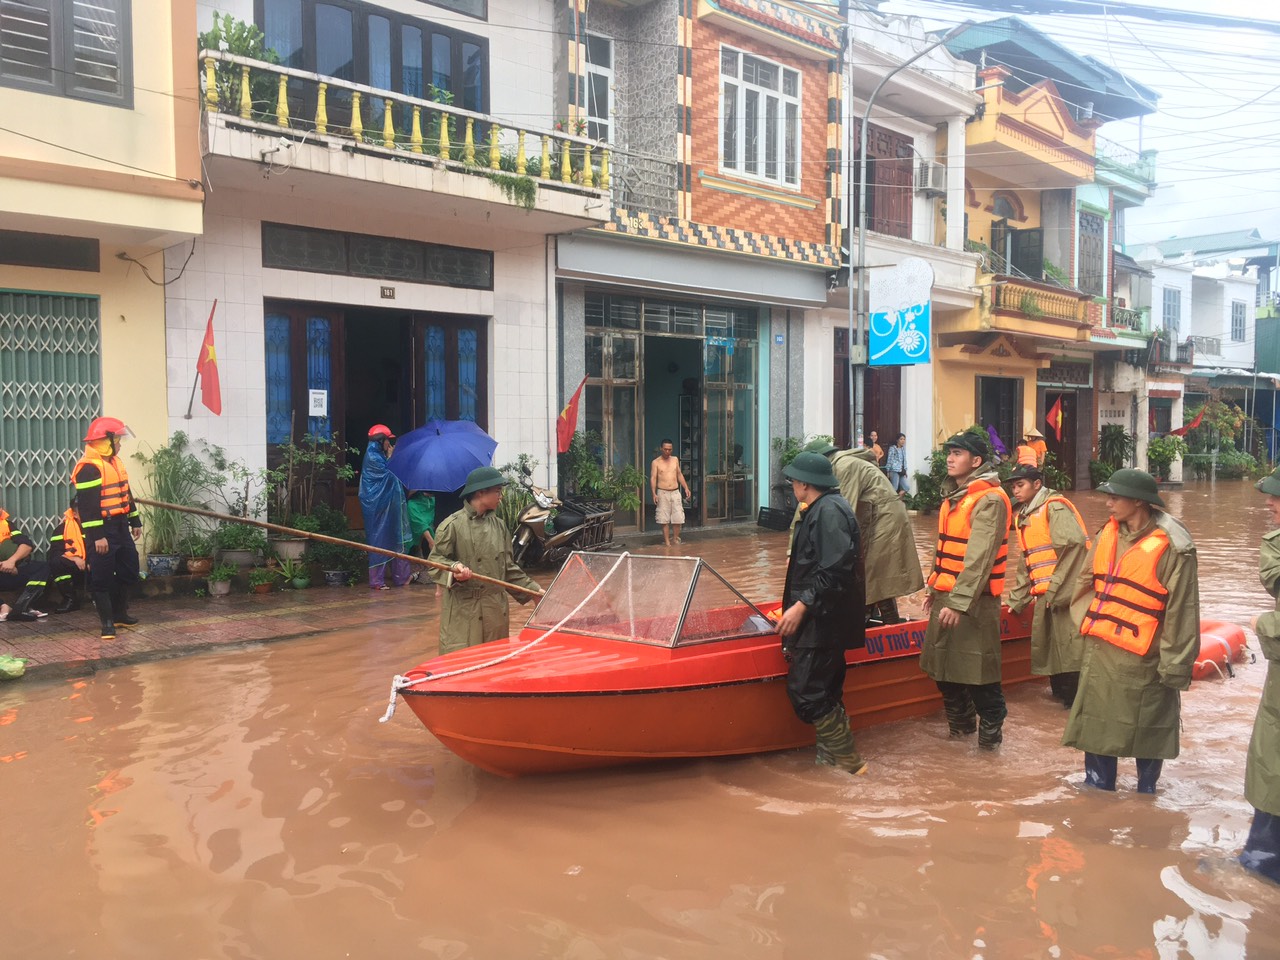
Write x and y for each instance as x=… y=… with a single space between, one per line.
x=896 y=466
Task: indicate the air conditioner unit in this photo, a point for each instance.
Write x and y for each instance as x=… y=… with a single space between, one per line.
x=931 y=178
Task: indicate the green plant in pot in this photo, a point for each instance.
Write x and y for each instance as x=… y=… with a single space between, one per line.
x=239 y=543
x=261 y=579
x=583 y=474
x=1161 y=452
x=295 y=573
x=175 y=474
x=220 y=578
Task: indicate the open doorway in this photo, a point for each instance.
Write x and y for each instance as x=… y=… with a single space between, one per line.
x=672 y=385
x=378 y=386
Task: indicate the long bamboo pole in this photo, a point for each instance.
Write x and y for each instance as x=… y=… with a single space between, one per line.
x=325 y=538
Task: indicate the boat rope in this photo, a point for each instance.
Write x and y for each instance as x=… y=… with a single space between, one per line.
x=400 y=682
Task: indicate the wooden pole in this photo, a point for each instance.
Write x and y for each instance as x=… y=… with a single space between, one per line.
x=325 y=538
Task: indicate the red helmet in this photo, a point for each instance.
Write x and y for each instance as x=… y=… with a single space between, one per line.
x=104 y=427
x=381 y=431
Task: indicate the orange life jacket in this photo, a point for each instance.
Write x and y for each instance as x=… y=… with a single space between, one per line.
x=5 y=531
x=1128 y=600
x=955 y=527
x=113 y=479
x=71 y=537
x=1037 y=545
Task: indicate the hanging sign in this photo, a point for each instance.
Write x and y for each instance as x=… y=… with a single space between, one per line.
x=900 y=313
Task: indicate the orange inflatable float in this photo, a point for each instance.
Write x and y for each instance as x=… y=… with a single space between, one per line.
x=1220 y=644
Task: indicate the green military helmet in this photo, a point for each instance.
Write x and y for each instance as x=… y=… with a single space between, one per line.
x=1135 y=485
x=811 y=468
x=483 y=478
x=1270 y=484
x=824 y=447
x=970 y=442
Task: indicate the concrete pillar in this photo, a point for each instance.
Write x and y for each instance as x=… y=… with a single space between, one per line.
x=1175 y=418
x=955 y=183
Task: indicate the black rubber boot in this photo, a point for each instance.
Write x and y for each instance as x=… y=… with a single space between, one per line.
x=835 y=742
x=21 y=612
x=887 y=611
x=1149 y=774
x=70 y=598
x=1064 y=686
x=102 y=603
x=988 y=700
x=1099 y=771
x=1261 y=853
x=120 y=606
x=962 y=716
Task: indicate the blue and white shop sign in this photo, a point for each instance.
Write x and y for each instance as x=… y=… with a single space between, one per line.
x=900 y=313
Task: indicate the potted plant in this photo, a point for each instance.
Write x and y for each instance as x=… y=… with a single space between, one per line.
x=1162 y=451
x=294 y=573
x=176 y=475
x=261 y=579
x=197 y=549
x=238 y=543
x=220 y=579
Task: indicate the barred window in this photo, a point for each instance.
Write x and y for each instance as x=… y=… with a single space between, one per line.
x=69 y=48
x=760 y=118
x=1237 y=320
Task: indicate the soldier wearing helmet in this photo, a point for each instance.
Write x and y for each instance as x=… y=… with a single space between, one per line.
x=110 y=521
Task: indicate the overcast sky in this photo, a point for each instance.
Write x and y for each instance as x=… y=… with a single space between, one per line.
x=1217 y=126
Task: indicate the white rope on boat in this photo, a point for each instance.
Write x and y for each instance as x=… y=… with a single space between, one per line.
x=400 y=682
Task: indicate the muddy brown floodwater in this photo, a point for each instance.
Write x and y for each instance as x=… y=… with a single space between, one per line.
x=247 y=804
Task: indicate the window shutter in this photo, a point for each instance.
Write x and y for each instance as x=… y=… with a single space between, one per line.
x=26 y=40
x=97 y=32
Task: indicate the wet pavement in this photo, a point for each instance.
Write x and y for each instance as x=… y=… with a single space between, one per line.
x=245 y=803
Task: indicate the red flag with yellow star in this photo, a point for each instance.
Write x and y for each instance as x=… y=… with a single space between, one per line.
x=207 y=369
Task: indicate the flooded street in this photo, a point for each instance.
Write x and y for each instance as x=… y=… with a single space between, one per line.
x=247 y=804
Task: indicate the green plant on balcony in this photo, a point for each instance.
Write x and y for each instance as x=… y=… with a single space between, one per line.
x=522 y=191
x=1028 y=305
x=1056 y=274
x=229 y=35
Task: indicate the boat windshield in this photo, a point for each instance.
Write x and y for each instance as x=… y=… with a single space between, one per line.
x=663 y=601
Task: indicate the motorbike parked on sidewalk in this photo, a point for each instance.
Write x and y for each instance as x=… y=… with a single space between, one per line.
x=546 y=531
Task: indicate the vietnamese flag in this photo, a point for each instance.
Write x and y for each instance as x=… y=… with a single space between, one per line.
x=207 y=369
x=568 y=420
x=1182 y=431
x=1054 y=418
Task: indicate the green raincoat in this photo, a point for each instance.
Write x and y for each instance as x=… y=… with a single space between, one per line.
x=474 y=612
x=1130 y=705
x=1056 y=644
x=888 y=546
x=970 y=651
x=1262 y=769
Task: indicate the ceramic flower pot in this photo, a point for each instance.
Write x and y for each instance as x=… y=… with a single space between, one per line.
x=335 y=578
x=262 y=587
x=163 y=564
x=199 y=566
x=219 y=588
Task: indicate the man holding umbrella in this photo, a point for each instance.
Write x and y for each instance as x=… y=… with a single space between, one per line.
x=386 y=516
x=476 y=540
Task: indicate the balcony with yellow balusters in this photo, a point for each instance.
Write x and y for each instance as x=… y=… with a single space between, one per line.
x=344 y=141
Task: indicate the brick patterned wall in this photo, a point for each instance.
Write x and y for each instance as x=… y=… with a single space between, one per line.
x=751 y=213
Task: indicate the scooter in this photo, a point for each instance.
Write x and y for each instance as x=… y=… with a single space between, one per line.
x=543 y=536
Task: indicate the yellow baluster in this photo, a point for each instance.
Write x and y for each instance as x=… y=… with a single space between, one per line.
x=282 y=102
x=415 y=134
x=210 y=83
x=469 y=142
x=566 y=174
x=322 y=110
x=495 y=157
x=521 y=163
x=545 y=170
x=588 y=175
x=444 y=136
x=604 y=170
x=246 y=101
x=388 y=127
x=357 y=123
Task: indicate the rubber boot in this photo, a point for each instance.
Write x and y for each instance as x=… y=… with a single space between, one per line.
x=70 y=598
x=988 y=700
x=21 y=612
x=1149 y=774
x=120 y=606
x=887 y=611
x=1099 y=771
x=962 y=715
x=835 y=742
x=1261 y=853
x=102 y=603
x=1065 y=686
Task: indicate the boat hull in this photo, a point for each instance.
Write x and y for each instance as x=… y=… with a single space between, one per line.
x=515 y=734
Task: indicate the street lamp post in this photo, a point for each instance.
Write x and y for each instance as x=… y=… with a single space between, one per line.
x=857 y=351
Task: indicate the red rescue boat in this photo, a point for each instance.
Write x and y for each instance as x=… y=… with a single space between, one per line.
x=1220 y=643
x=630 y=659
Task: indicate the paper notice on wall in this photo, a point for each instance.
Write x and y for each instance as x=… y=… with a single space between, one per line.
x=317 y=403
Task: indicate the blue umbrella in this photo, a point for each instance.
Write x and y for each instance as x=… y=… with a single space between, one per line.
x=439 y=455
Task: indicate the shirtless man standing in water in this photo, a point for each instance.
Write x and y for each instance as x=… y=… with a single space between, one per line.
x=666 y=480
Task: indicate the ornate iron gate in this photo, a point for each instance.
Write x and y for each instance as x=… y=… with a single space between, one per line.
x=50 y=388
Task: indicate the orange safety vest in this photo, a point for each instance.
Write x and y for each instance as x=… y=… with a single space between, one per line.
x=116 y=500
x=5 y=532
x=1037 y=545
x=1128 y=600
x=71 y=537
x=955 y=526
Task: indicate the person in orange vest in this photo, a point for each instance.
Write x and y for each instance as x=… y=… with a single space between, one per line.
x=961 y=649
x=1054 y=542
x=68 y=559
x=110 y=521
x=20 y=571
x=1138 y=598
x=1034 y=439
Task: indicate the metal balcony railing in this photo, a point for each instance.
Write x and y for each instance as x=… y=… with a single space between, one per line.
x=1140 y=165
x=1208 y=345
x=643 y=183
x=268 y=95
x=1129 y=319
x=1038 y=301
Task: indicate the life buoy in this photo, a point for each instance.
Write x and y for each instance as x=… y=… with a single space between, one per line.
x=1220 y=643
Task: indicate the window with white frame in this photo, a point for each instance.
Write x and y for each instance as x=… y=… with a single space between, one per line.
x=599 y=88
x=1171 y=313
x=760 y=118
x=1237 y=320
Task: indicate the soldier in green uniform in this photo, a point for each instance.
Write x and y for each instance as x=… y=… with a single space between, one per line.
x=961 y=649
x=1261 y=852
x=475 y=540
x=1054 y=544
x=1138 y=604
x=892 y=566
